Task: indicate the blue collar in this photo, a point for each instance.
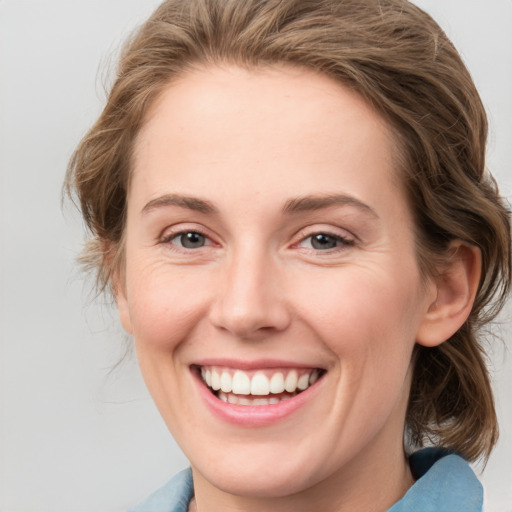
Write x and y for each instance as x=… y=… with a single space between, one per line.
x=444 y=483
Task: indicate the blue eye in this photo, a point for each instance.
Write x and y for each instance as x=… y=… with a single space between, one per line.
x=189 y=240
x=325 y=241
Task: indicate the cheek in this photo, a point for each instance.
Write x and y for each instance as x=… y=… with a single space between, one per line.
x=364 y=314
x=165 y=307
x=368 y=322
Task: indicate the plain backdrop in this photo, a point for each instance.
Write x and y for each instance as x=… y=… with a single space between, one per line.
x=75 y=434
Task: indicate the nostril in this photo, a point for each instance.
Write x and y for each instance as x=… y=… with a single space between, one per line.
x=250 y=318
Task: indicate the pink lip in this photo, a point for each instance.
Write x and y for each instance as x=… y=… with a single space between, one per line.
x=260 y=364
x=254 y=416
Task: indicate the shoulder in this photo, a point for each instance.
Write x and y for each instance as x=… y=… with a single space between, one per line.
x=174 y=496
x=444 y=483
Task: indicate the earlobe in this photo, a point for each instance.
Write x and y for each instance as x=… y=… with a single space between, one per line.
x=456 y=289
x=118 y=284
x=122 y=307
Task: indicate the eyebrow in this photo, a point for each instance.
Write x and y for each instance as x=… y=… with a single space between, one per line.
x=295 y=205
x=318 y=202
x=188 y=202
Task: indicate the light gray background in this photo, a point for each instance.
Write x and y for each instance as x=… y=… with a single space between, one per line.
x=74 y=437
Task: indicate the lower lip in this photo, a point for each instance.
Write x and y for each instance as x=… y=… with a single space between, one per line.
x=257 y=415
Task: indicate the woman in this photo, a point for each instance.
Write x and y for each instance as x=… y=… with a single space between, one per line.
x=289 y=202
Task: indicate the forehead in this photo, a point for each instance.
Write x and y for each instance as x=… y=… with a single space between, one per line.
x=257 y=127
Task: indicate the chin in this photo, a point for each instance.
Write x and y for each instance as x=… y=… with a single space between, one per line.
x=273 y=479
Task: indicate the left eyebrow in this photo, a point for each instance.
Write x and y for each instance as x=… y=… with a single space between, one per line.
x=318 y=202
x=188 y=202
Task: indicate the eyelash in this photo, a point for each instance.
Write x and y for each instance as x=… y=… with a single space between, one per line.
x=341 y=242
x=168 y=239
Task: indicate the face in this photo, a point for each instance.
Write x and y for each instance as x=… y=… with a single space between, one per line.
x=271 y=283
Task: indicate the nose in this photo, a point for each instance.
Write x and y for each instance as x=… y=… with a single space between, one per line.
x=250 y=302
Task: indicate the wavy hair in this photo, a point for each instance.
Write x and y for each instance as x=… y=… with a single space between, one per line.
x=400 y=61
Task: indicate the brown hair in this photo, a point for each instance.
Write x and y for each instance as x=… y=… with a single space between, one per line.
x=397 y=58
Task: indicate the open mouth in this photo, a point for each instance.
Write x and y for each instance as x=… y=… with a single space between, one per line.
x=257 y=387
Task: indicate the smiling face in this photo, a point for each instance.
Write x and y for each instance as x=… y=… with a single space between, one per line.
x=270 y=253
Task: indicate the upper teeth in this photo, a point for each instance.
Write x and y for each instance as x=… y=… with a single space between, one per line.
x=259 y=383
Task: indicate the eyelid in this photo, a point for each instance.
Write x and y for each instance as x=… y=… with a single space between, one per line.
x=335 y=232
x=341 y=243
x=171 y=232
x=346 y=237
x=345 y=241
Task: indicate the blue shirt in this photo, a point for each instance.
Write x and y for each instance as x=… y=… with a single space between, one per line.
x=444 y=483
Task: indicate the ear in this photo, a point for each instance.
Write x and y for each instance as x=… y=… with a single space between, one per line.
x=118 y=284
x=123 y=308
x=456 y=286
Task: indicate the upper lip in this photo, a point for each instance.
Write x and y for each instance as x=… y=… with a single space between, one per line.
x=257 y=364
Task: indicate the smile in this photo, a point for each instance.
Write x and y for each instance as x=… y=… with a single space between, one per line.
x=258 y=387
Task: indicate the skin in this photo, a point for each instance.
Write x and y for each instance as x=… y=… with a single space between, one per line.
x=249 y=142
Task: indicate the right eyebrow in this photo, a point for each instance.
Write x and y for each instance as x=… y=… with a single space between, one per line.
x=318 y=202
x=189 y=202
